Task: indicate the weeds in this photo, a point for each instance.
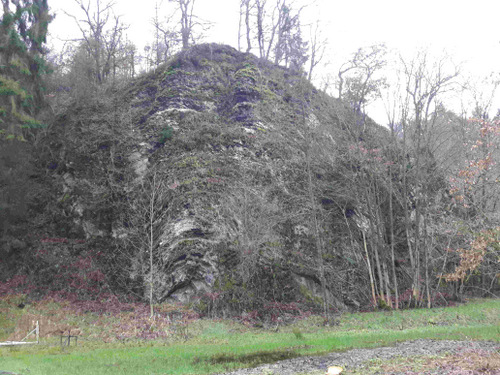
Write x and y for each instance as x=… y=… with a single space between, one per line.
x=128 y=342
x=254 y=359
x=473 y=361
x=297 y=333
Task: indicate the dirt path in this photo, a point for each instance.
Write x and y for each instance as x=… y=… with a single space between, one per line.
x=410 y=357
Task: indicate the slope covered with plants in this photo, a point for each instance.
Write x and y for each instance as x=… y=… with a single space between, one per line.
x=230 y=183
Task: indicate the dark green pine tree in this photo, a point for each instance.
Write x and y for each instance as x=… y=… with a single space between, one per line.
x=23 y=31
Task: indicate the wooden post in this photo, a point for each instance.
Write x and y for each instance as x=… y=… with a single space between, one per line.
x=37 y=332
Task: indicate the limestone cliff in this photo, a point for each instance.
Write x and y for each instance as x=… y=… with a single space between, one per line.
x=216 y=165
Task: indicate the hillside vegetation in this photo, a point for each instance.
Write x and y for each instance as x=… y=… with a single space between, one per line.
x=231 y=184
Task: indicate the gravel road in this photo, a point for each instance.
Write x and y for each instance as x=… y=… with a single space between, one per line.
x=356 y=357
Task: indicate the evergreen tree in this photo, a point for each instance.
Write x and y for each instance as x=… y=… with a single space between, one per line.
x=23 y=31
x=290 y=49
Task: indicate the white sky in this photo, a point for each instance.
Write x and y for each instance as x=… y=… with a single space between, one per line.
x=467 y=30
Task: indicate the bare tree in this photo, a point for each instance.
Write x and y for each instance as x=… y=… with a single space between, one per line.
x=256 y=218
x=316 y=224
x=261 y=13
x=128 y=59
x=186 y=7
x=166 y=38
x=146 y=204
x=100 y=34
x=278 y=31
x=246 y=7
x=188 y=22
x=268 y=24
x=394 y=106
x=425 y=82
x=360 y=84
x=483 y=93
x=317 y=47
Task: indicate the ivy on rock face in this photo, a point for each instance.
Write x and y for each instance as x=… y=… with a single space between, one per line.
x=165 y=134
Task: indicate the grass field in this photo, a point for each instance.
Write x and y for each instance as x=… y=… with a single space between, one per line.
x=208 y=346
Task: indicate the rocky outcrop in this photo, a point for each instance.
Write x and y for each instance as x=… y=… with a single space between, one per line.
x=226 y=136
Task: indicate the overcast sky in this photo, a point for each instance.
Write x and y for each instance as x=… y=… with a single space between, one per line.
x=467 y=30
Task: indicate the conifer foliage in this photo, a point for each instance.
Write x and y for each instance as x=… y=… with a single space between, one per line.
x=23 y=31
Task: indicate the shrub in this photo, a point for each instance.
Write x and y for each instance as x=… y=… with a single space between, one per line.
x=165 y=134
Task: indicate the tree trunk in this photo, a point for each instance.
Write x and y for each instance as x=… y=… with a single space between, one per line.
x=247 y=23
x=260 y=27
x=370 y=272
x=375 y=242
x=319 y=242
x=239 y=25
x=151 y=243
x=393 y=260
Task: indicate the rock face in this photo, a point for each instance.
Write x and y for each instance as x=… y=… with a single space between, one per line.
x=213 y=168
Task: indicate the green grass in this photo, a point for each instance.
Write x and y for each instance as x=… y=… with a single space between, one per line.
x=218 y=346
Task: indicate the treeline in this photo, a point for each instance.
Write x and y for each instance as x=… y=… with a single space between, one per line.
x=105 y=55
